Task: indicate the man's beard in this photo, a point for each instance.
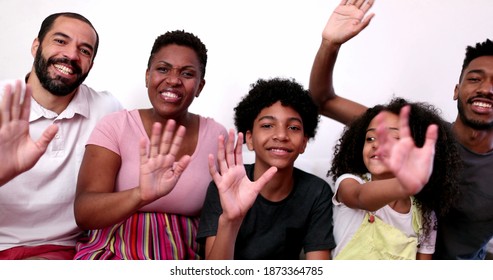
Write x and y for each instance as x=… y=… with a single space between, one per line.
x=474 y=124
x=57 y=85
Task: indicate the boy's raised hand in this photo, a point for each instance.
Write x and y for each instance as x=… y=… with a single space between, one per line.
x=347 y=20
x=237 y=192
x=411 y=165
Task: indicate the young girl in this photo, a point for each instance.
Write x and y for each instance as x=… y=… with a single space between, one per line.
x=379 y=213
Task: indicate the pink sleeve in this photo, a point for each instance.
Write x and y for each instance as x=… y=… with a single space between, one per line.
x=108 y=132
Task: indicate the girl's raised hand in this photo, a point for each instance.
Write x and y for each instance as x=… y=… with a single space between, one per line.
x=411 y=165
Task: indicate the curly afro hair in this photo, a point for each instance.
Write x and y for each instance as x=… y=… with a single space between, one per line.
x=264 y=93
x=441 y=191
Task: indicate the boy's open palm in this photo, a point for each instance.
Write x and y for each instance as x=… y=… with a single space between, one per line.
x=236 y=191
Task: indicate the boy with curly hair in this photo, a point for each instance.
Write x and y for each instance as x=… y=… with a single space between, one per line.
x=269 y=209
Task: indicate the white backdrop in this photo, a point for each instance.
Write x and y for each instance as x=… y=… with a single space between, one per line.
x=412 y=48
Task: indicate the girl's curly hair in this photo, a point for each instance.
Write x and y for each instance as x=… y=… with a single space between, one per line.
x=441 y=191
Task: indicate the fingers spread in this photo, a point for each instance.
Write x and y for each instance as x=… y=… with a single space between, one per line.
x=47 y=136
x=26 y=104
x=265 y=178
x=212 y=167
x=181 y=165
x=239 y=150
x=177 y=141
x=229 y=154
x=367 y=5
x=230 y=149
x=154 y=141
x=404 y=130
x=16 y=101
x=359 y=3
x=221 y=154
x=385 y=140
x=143 y=150
x=431 y=136
x=6 y=104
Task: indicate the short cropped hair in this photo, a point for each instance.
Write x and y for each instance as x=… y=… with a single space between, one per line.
x=481 y=49
x=47 y=24
x=181 y=38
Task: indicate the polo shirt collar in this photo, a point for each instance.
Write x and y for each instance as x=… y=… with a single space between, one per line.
x=78 y=105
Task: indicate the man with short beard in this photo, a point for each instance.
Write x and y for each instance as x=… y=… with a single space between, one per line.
x=464 y=232
x=36 y=200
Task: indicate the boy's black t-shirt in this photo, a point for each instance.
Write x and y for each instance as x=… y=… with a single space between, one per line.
x=278 y=230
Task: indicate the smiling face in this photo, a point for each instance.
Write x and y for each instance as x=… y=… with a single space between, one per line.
x=277 y=137
x=374 y=165
x=474 y=94
x=64 y=58
x=173 y=80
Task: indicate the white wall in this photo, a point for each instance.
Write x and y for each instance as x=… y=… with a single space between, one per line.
x=412 y=48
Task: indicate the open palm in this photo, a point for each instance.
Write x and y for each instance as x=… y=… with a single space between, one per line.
x=159 y=170
x=18 y=151
x=237 y=192
x=347 y=20
x=411 y=165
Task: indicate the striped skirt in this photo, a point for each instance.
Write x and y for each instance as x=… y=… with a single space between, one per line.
x=143 y=236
